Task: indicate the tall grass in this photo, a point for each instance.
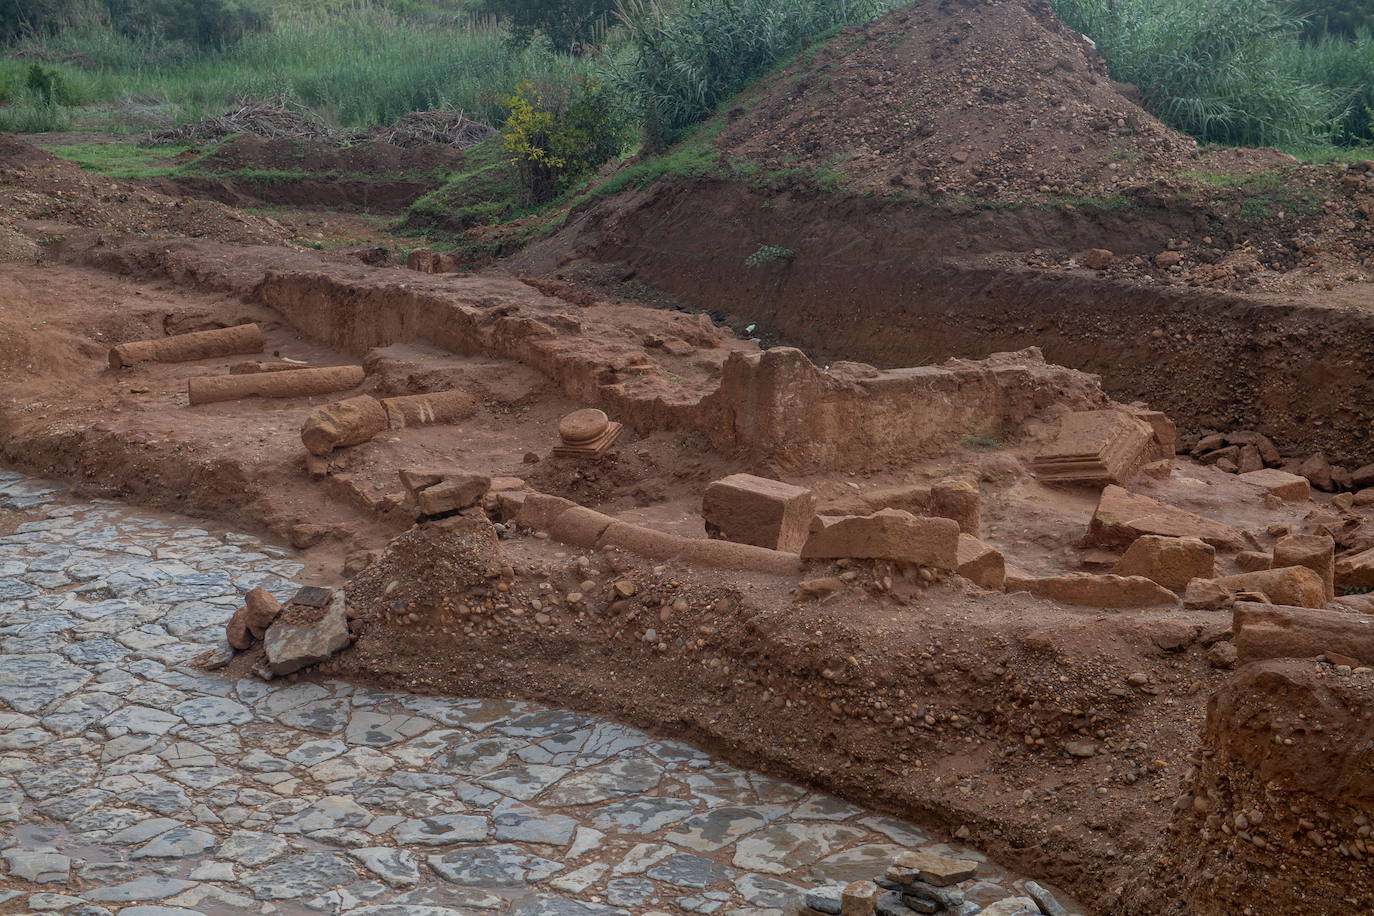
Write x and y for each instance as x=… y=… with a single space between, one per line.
x=1346 y=65
x=1226 y=71
x=685 y=58
x=360 y=66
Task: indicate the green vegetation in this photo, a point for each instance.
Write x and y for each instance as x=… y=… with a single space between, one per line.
x=684 y=60
x=1335 y=17
x=120 y=160
x=1234 y=71
x=484 y=192
x=555 y=135
x=568 y=25
x=768 y=254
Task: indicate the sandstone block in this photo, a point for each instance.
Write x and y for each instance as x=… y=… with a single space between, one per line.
x=729 y=555
x=1315 y=551
x=1122 y=516
x=859 y=898
x=1098 y=258
x=889 y=534
x=342 y=424
x=260 y=611
x=1253 y=560
x=1273 y=631
x=1096 y=448
x=755 y=510
x=1287 y=487
x=1356 y=570
x=1172 y=562
x=456 y=491
x=914 y=498
x=1096 y=591
x=812 y=589
x=980 y=563
x=941 y=871
x=958 y=498
x=1297 y=586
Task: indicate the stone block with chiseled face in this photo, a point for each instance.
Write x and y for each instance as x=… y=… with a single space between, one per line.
x=758 y=511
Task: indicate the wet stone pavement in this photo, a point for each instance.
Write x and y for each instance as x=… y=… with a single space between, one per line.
x=132 y=784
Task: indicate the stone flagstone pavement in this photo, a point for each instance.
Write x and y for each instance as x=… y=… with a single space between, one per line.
x=131 y=784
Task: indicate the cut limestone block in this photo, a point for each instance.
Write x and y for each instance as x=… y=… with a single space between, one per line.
x=539 y=511
x=1122 y=516
x=1296 y=586
x=1287 y=487
x=1172 y=562
x=294 y=384
x=1096 y=591
x=343 y=423
x=242 y=338
x=889 y=534
x=429 y=409
x=1263 y=631
x=1315 y=551
x=755 y=510
x=1096 y=448
x=980 y=563
x=958 y=498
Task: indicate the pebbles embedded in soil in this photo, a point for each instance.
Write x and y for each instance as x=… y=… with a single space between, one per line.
x=136 y=780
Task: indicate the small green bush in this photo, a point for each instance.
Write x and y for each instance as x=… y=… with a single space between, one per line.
x=556 y=134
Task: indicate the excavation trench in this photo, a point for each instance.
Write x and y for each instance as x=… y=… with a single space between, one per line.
x=900 y=285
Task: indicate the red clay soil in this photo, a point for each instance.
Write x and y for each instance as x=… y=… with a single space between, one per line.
x=994 y=98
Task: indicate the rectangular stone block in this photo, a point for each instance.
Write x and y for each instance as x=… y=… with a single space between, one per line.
x=758 y=511
x=890 y=534
x=1288 y=487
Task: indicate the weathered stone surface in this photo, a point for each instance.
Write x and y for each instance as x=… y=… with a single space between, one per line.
x=755 y=510
x=859 y=898
x=293 y=646
x=1292 y=585
x=958 y=498
x=1096 y=448
x=1096 y=591
x=1262 y=631
x=1356 y=570
x=1171 y=562
x=299 y=876
x=981 y=563
x=1287 y=487
x=344 y=423
x=1122 y=517
x=1317 y=552
x=937 y=870
x=457 y=490
x=888 y=534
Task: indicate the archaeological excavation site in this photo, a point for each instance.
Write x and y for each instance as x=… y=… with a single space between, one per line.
x=933 y=483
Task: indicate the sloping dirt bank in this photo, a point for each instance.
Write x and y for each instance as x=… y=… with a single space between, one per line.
x=895 y=284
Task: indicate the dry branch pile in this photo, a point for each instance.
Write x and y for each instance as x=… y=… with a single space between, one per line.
x=277 y=119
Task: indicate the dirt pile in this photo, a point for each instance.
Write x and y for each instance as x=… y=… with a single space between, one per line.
x=373 y=159
x=1277 y=818
x=944 y=97
x=35 y=186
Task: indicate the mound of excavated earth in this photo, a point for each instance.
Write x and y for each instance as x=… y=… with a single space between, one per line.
x=944 y=98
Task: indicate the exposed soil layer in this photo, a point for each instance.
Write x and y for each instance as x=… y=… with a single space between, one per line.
x=893 y=285
x=371 y=176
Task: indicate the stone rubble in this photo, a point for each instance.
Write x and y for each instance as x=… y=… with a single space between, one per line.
x=133 y=783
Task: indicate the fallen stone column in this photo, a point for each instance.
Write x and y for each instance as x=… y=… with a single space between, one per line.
x=242 y=338
x=293 y=384
x=428 y=409
x=343 y=423
x=1264 y=631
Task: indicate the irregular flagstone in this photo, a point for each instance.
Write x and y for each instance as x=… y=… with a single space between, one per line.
x=30 y=683
x=252 y=849
x=299 y=876
x=329 y=812
x=380 y=730
x=524 y=782
x=442 y=830
x=396 y=867
x=529 y=825
x=501 y=865
x=765 y=891
x=612 y=780
x=464 y=899
x=477 y=758
x=858 y=863
x=41 y=866
x=176 y=844
x=781 y=848
x=645 y=815
x=688 y=870
x=148 y=887
x=549 y=905
x=213 y=711
x=715 y=829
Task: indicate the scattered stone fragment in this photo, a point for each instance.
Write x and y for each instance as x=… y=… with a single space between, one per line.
x=1285 y=486
x=1122 y=517
x=936 y=870
x=1293 y=585
x=888 y=534
x=1317 y=552
x=1096 y=591
x=1171 y=562
x=981 y=563
x=859 y=898
x=293 y=646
